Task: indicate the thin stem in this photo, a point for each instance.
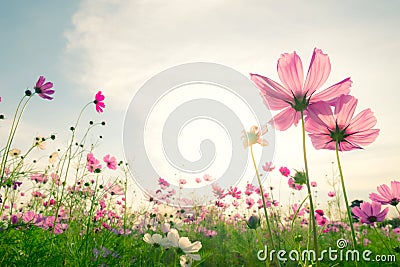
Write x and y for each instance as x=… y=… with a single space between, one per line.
x=314 y=227
x=263 y=198
x=383 y=241
x=397 y=209
x=353 y=235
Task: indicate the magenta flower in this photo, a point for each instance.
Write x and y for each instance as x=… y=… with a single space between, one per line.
x=284 y=171
x=370 y=212
x=163 y=183
x=387 y=195
x=99 y=102
x=294 y=96
x=93 y=164
x=331 y=194
x=43 y=89
x=111 y=162
x=314 y=184
x=326 y=128
x=293 y=185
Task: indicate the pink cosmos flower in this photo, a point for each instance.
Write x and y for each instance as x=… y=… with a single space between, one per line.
x=92 y=164
x=208 y=178
x=314 y=184
x=234 y=192
x=43 y=89
x=370 y=212
x=331 y=194
x=387 y=195
x=268 y=167
x=296 y=207
x=284 y=171
x=326 y=128
x=111 y=162
x=99 y=102
x=292 y=184
x=295 y=96
x=249 y=202
x=198 y=180
x=163 y=183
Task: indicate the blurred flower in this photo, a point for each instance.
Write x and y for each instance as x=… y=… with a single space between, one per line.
x=254 y=136
x=331 y=194
x=93 y=164
x=154 y=239
x=284 y=171
x=198 y=180
x=163 y=183
x=39 y=177
x=53 y=157
x=111 y=162
x=43 y=89
x=14 y=152
x=295 y=96
x=208 y=178
x=387 y=195
x=268 y=167
x=40 y=142
x=370 y=212
x=327 y=128
x=293 y=185
x=314 y=184
x=99 y=102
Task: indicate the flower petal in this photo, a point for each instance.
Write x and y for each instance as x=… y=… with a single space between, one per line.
x=364 y=120
x=331 y=93
x=344 y=110
x=318 y=72
x=290 y=71
x=274 y=94
x=284 y=119
x=363 y=138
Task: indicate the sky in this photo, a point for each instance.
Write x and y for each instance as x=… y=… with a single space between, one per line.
x=116 y=46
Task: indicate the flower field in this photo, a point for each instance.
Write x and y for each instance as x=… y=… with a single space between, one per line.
x=75 y=207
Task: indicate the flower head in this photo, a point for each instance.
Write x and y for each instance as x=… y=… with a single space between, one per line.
x=331 y=194
x=387 y=195
x=370 y=212
x=15 y=152
x=111 y=162
x=284 y=171
x=294 y=96
x=43 y=89
x=326 y=128
x=254 y=136
x=99 y=102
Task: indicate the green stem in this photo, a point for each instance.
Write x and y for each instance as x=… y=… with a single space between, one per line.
x=384 y=243
x=397 y=209
x=353 y=235
x=263 y=198
x=313 y=223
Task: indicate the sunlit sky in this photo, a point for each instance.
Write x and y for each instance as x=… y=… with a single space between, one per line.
x=116 y=45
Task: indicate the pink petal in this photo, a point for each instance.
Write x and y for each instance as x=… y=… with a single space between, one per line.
x=284 y=119
x=318 y=72
x=329 y=94
x=290 y=71
x=274 y=94
x=321 y=112
x=348 y=146
x=381 y=216
x=344 y=110
x=322 y=141
x=385 y=191
x=363 y=121
x=395 y=189
x=366 y=208
x=40 y=81
x=376 y=208
x=46 y=86
x=359 y=213
x=363 y=138
x=378 y=198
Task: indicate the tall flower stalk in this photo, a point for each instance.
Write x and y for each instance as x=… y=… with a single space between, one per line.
x=249 y=139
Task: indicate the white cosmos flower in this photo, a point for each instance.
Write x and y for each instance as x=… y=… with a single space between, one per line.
x=153 y=239
x=182 y=242
x=187 y=260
